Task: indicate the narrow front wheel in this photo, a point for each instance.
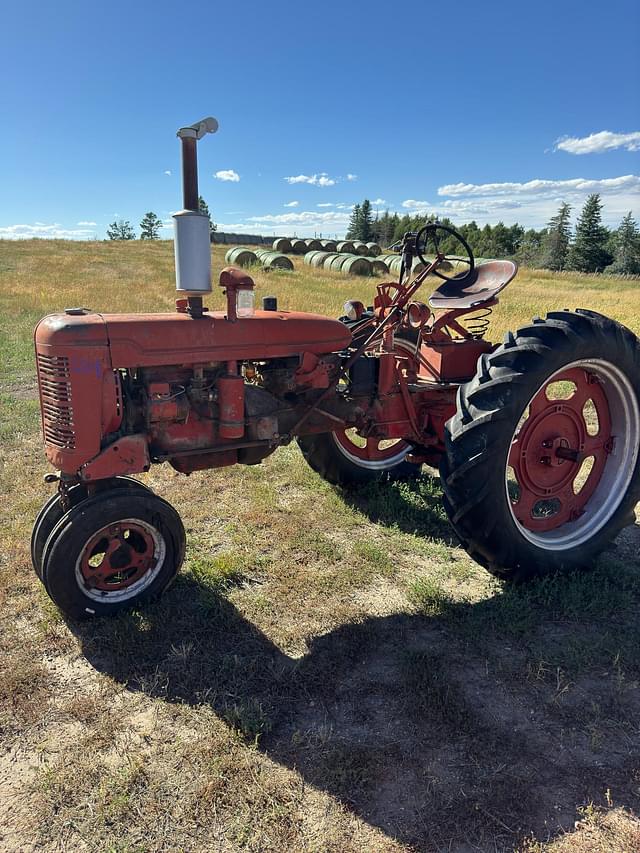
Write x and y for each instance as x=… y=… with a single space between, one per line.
x=113 y=551
x=52 y=511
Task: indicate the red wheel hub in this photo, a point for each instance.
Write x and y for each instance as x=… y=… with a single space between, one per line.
x=549 y=450
x=117 y=556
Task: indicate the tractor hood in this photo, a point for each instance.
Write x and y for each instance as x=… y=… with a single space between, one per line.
x=150 y=340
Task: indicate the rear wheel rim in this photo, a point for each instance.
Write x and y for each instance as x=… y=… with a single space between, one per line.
x=374 y=453
x=120 y=560
x=572 y=457
x=369 y=452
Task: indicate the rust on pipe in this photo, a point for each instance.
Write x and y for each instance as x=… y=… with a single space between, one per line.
x=189 y=173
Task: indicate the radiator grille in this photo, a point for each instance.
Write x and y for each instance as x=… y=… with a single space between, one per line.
x=55 y=400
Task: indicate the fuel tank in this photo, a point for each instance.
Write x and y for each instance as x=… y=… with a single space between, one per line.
x=150 y=340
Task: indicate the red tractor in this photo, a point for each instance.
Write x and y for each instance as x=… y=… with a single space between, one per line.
x=536 y=438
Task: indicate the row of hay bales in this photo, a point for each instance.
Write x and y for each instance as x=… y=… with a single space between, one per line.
x=343 y=262
x=240 y=256
x=394 y=262
x=347 y=264
x=301 y=247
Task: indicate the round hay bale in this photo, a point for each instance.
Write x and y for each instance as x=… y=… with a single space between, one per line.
x=360 y=248
x=374 y=249
x=275 y=261
x=318 y=258
x=378 y=267
x=328 y=260
x=313 y=245
x=282 y=245
x=345 y=246
x=394 y=265
x=309 y=256
x=240 y=256
x=336 y=263
x=356 y=266
x=329 y=245
x=298 y=247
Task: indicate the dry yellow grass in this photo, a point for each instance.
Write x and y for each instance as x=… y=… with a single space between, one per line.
x=330 y=672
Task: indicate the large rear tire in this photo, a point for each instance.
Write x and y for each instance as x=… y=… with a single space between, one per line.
x=542 y=464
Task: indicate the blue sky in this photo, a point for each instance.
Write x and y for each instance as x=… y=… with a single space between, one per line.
x=492 y=111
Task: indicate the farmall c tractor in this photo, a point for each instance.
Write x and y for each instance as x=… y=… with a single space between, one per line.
x=536 y=438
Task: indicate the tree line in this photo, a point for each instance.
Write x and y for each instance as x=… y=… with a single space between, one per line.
x=589 y=247
x=150 y=225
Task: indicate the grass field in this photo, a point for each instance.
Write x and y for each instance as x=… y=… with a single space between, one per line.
x=330 y=672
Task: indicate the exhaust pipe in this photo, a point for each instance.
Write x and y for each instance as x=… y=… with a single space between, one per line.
x=192 y=241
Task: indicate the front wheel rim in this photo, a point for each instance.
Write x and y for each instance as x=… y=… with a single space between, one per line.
x=120 y=560
x=570 y=479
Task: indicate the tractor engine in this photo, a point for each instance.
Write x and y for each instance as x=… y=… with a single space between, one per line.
x=121 y=391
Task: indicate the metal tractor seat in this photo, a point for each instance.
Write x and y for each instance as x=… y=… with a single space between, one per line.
x=474 y=289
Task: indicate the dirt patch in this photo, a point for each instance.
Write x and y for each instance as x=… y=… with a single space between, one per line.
x=18 y=768
x=24 y=389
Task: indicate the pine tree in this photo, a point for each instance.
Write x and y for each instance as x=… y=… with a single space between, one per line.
x=204 y=208
x=383 y=229
x=589 y=252
x=366 y=222
x=150 y=226
x=121 y=230
x=556 y=244
x=354 y=224
x=530 y=247
x=626 y=248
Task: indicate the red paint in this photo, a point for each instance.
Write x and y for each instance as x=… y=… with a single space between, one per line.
x=117 y=556
x=126 y=455
x=453 y=360
x=231 y=406
x=548 y=452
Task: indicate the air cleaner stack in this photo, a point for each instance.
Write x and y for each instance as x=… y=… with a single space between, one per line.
x=192 y=242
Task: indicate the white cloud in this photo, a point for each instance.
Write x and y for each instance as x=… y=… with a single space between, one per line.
x=304 y=222
x=418 y=206
x=78 y=223
x=319 y=180
x=351 y=177
x=535 y=201
x=167 y=171
x=42 y=231
x=378 y=201
x=597 y=143
x=300 y=216
x=292 y=204
x=539 y=187
x=460 y=206
x=227 y=175
x=325 y=204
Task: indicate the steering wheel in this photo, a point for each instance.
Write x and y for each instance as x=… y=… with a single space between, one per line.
x=448 y=247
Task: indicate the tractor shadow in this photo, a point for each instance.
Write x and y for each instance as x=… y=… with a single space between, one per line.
x=471 y=730
x=412 y=506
